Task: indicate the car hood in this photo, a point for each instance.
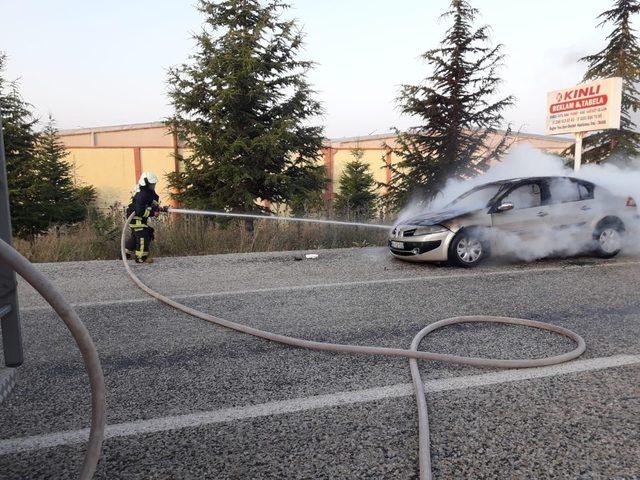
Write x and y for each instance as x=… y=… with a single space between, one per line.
x=436 y=218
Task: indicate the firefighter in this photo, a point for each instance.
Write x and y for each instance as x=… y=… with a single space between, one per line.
x=144 y=204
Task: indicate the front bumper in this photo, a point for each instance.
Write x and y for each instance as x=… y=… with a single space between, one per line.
x=426 y=248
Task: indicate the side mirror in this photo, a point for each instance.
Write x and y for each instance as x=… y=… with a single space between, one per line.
x=504 y=207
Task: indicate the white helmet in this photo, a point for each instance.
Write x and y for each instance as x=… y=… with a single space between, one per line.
x=147 y=178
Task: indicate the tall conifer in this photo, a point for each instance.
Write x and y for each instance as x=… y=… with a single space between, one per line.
x=459 y=109
x=356 y=196
x=619 y=58
x=61 y=200
x=41 y=191
x=245 y=110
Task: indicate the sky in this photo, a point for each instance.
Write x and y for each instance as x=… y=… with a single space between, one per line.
x=96 y=63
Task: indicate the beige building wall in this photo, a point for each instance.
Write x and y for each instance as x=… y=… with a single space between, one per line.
x=377 y=152
x=112 y=158
x=161 y=162
x=374 y=157
x=110 y=170
x=154 y=134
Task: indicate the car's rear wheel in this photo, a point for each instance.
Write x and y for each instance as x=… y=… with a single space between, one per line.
x=467 y=249
x=608 y=238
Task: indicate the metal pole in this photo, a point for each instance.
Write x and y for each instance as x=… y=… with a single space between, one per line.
x=10 y=322
x=578 y=154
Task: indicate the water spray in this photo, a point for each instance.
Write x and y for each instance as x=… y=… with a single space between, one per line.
x=413 y=354
x=282 y=219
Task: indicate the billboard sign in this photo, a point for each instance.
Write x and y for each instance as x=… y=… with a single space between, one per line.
x=585 y=107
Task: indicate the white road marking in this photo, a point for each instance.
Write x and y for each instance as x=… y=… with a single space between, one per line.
x=382 y=281
x=163 y=424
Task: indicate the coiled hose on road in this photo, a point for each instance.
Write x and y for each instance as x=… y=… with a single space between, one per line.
x=413 y=354
x=26 y=270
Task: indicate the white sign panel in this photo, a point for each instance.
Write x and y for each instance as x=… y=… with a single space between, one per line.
x=585 y=107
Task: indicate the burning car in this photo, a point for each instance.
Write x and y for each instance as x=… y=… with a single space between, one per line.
x=557 y=214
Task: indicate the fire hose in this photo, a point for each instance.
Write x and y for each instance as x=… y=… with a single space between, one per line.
x=413 y=354
x=44 y=287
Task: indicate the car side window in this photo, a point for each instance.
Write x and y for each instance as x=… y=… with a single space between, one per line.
x=563 y=190
x=524 y=196
x=585 y=190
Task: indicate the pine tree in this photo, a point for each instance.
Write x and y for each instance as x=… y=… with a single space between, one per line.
x=60 y=200
x=620 y=58
x=20 y=145
x=457 y=109
x=243 y=107
x=356 y=197
x=41 y=192
x=306 y=189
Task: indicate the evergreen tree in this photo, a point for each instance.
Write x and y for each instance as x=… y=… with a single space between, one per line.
x=620 y=58
x=457 y=109
x=357 y=195
x=41 y=192
x=60 y=200
x=306 y=189
x=20 y=154
x=243 y=106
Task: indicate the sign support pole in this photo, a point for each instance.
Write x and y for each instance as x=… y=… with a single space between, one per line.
x=578 y=154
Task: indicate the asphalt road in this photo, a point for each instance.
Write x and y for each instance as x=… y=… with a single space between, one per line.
x=188 y=400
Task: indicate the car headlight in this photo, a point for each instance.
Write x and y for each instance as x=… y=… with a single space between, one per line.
x=429 y=230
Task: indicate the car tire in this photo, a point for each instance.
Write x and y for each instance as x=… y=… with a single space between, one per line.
x=608 y=237
x=467 y=249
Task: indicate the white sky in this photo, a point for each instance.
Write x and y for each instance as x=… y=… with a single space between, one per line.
x=93 y=63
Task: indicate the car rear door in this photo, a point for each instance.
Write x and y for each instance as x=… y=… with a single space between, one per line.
x=570 y=204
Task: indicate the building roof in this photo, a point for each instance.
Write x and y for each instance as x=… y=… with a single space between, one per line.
x=363 y=138
x=112 y=128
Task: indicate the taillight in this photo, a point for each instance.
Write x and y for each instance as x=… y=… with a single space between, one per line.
x=631 y=202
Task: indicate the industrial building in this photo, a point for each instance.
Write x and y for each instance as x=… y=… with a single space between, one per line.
x=112 y=158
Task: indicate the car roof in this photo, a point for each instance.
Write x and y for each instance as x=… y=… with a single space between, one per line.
x=529 y=179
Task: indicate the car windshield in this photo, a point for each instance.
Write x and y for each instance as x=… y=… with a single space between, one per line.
x=476 y=198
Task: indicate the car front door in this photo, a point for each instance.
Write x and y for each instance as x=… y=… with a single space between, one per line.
x=529 y=213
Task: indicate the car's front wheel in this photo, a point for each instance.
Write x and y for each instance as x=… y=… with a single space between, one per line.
x=467 y=249
x=608 y=238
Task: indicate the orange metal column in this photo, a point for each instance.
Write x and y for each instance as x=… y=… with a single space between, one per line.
x=176 y=163
x=388 y=169
x=137 y=162
x=176 y=167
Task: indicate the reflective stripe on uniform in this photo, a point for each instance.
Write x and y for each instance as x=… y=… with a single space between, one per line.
x=137 y=224
x=141 y=253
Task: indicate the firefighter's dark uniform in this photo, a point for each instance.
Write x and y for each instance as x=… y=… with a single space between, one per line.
x=145 y=205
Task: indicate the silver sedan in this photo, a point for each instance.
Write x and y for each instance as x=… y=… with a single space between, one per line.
x=528 y=217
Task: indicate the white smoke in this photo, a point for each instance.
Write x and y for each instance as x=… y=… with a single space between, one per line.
x=622 y=179
x=527 y=161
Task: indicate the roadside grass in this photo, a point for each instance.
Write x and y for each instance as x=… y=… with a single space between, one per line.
x=98 y=238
